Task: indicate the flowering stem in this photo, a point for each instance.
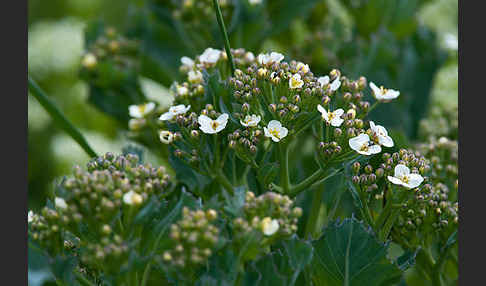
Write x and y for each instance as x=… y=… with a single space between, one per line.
x=318 y=175
x=58 y=117
x=284 y=167
x=222 y=27
x=221 y=178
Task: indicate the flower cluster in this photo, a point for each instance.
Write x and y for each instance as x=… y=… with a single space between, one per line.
x=194 y=238
x=197 y=12
x=271 y=214
x=103 y=199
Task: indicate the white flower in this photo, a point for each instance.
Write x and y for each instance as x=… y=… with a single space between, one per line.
x=30 y=216
x=249 y=56
x=139 y=111
x=132 y=198
x=363 y=145
x=210 y=126
x=451 y=42
x=187 y=62
x=60 y=203
x=210 y=56
x=174 y=111
x=302 y=67
x=135 y=124
x=335 y=84
x=166 y=137
x=268 y=59
x=383 y=93
x=182 y=90
x=275 y=131
x=195 y=76
x=295 y=81
x=381 y=134
x=89 y=61
x=403 y=177
x=333 y=118
x=251 y=120
x=269 y=226
x=323 y=80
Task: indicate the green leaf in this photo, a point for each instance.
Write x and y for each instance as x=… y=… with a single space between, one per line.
x=234 y=204
x=348 y=253
x=407 y=259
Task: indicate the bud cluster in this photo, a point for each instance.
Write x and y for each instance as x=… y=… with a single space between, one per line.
x=196 y=12
x=110 y=46
x=443 y=156
x=193 y=239
x=271 y=214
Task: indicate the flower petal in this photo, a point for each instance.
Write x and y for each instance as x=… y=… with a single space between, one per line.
x=386 y=141
x=394 y=180
x=401 y=170
x=415 y=180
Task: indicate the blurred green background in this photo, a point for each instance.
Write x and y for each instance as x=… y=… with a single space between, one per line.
x=405 y=45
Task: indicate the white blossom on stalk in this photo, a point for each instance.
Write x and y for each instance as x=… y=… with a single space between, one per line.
x=210 y=56
x=187 y=63
x=403 y=177
x=140 y=111
x=60 y=203
x=302 y=67
x=363 y=145
x=89 y=61
x=335 y=84
x=268 y=59
x=295 y=81
x=323 y=80
x=383 y=94
x=195 y=76
x=249 y=56
x=210 y=126
x=166 y=137
x=132 y=198
x=182 y=90
x=30 y=216
x=251 y=120
x=275 y=130
x=381 y=134
x=332 y=118
x=174 y=111
x=269 y=226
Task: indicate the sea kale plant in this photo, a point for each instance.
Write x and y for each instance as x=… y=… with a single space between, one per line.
x=261 y=153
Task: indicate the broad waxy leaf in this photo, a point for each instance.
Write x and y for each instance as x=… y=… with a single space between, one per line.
x=349 y=254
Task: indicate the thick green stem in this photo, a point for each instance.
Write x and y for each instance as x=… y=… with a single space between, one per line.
x=221 y=178
x=284 y=167
x=58 y=117
x=222 y=27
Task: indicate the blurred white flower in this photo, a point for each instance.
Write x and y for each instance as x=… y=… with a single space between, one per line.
x=132 y=198
x=249 y=56
x=268 y=59
x=275 y=130
x=451 y=42
x=302 y=67
x=89 y=61
x=295 y=81
x=140 y=111
x=255 y=2
x=195 y=76
x=251 y=120
x=30 y=216
x=166 y=137
x=210 y=56
x=182 y=90
x=187 y=62
x=269 y=226
x=136 y=124
x=60 y=203
x=323 y=80
x=333 y=118
x=383 y=94
x=363 y=145
x=404 y=178
x=174 y=111
x=210 y=126
x=335 y=84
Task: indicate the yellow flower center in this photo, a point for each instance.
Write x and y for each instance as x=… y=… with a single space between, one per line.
x=364 y=148
x=214 y=124
x=383 y=90
x=142 y=108
x=275 y=133
x=405 y=179
x=330 y=115
x=295 y=82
